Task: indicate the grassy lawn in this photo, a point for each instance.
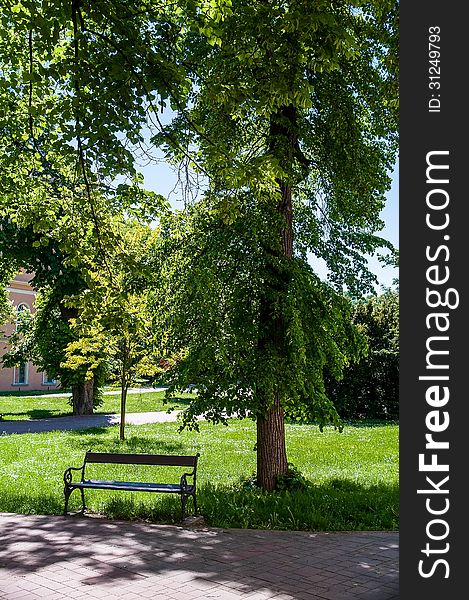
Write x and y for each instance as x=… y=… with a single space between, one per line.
x=353 y=475
x=19 y=407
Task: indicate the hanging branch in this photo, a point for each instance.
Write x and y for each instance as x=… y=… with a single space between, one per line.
x=139 y=78
x=30 y=98
x=81 y=153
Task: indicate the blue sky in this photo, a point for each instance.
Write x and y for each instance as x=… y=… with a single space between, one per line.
x=390 y=216
x=162 y=179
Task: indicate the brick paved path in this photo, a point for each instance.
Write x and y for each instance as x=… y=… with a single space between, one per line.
x=89 y=557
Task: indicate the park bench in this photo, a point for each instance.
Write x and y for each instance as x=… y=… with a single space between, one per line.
x=183 y=488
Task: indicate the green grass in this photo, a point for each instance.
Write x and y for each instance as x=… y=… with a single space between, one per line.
x=353 y=475
x=19 y=407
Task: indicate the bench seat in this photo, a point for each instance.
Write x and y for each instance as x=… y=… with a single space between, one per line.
x=132 y=486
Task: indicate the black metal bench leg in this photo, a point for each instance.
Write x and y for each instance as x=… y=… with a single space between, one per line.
x=82 y=500
x=183 y=502
x=67 y=496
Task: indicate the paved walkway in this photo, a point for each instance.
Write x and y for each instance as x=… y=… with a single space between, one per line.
x=84 y=422
x=57 y=558
x=106 y=393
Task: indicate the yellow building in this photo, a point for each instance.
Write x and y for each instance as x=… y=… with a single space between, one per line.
x=25 y=376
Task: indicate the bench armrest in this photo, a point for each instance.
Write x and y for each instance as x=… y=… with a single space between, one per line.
x=184 y=484
x=68 y=477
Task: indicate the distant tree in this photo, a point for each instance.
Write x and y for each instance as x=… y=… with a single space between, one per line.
x=45 y=340
x=48 y=334
x=370 y=389
x=115 y=325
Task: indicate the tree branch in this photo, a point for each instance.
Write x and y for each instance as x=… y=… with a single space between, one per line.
x=81 y=156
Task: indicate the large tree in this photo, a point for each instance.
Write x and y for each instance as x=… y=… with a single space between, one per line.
x=294 y=110
x=289 y=110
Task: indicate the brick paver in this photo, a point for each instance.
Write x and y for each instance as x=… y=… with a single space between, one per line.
x=54 y=558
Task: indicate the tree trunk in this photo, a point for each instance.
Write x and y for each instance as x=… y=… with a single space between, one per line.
x=82 y=398
x=271 y=449
x=124 y=388
x=82 y=393
x=123 y=403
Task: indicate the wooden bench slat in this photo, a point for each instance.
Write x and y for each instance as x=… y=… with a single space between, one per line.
x=141 y=459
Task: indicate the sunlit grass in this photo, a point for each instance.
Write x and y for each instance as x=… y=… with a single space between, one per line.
x=13 y=407
x=353 y=475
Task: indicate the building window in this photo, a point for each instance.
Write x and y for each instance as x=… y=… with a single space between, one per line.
x=22 y=313
x=20 y=374
x=48 y=380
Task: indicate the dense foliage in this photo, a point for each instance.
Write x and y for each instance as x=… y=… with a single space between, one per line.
x=6 y=309
x=370 y=389
x=219 y=275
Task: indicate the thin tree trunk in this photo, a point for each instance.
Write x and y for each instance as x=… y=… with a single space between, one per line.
x=82 y=398
x=123 y=403
x=124 y=388
x=122 y=419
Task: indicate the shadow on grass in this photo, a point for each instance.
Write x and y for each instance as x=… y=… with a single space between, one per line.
x=36 y=414
x=336 y=505
x=179 y=399
x=370 y=423
x=29 y=504
x=73 y=424
x=33 y=393
x=132 y=444
x=91 y=430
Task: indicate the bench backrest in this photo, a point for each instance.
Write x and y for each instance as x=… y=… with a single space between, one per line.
x=142 y=459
